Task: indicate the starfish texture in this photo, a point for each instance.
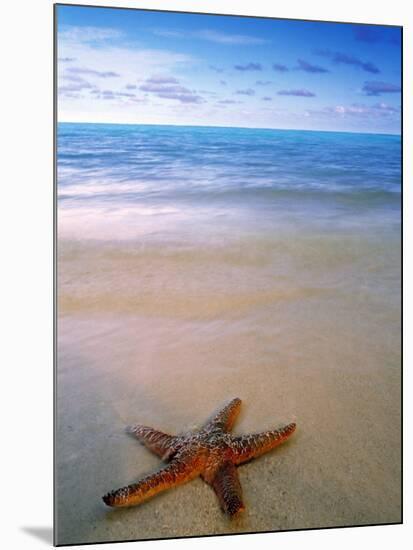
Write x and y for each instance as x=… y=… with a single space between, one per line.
x=211 y=452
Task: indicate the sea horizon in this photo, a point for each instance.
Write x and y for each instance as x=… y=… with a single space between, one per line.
x=395 y=134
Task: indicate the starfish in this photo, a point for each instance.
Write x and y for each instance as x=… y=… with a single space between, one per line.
x=211 y=452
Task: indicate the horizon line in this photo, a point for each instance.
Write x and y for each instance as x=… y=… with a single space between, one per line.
x=399 y=134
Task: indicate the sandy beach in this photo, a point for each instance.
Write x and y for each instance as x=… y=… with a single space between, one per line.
x=164 y=337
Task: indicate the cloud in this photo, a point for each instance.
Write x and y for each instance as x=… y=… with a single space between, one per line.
x=228 y=101
x=92 y=72
x=297 y=93
x=350 y=110
x=263 y=82
x=183 y=97
x=248 y=91
x=130 y=86
x=216 y=69
x=378 y=88
x=223 y=82
x=73 y=83
x=159 y=79
x=87 y=35
x=72 y=77
x=280 y=68
x=74 y=88
x=360 y=110
x=76 y=84
x=249 y=67
x=374 y=34
x=207 y=92
x=226 y=38
x=125 y=94
x=384 y=107
x=309 y=68
x=108 y=94
x=113 y=95
x=351 y=60
x=169 y=88
x=370 y=68
x=66 y=59
x=218 y=37
x=101 y=52
x=367 y=34
x=169 y=33
x=348 y=59
x=163 y=88
x=134 y=61
x=266 y=98
x=109 y=53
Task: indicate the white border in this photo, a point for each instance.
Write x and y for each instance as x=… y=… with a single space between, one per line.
x=26 y=273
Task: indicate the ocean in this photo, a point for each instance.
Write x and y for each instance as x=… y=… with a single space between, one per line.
x=197 y=264
x=196 y=174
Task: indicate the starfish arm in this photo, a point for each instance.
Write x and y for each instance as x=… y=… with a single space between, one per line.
x=178 y=471
x=228 y=489
x=226 y=417
x=163 y=445
x=246 y=447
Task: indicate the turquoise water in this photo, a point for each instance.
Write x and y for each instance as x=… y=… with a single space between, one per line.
x=111 y=169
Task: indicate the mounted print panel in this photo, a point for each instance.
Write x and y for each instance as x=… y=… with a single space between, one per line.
x=228 y=250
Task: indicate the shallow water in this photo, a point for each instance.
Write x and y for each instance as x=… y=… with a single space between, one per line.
x=196 y=265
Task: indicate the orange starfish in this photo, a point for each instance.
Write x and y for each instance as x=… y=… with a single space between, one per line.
x=211 y=452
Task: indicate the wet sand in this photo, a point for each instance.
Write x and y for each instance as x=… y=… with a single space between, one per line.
x=305 y=329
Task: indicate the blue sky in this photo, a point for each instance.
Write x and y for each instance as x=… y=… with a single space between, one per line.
x=133 y=66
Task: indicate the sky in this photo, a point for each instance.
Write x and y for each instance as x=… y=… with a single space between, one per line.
x=148 y=67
